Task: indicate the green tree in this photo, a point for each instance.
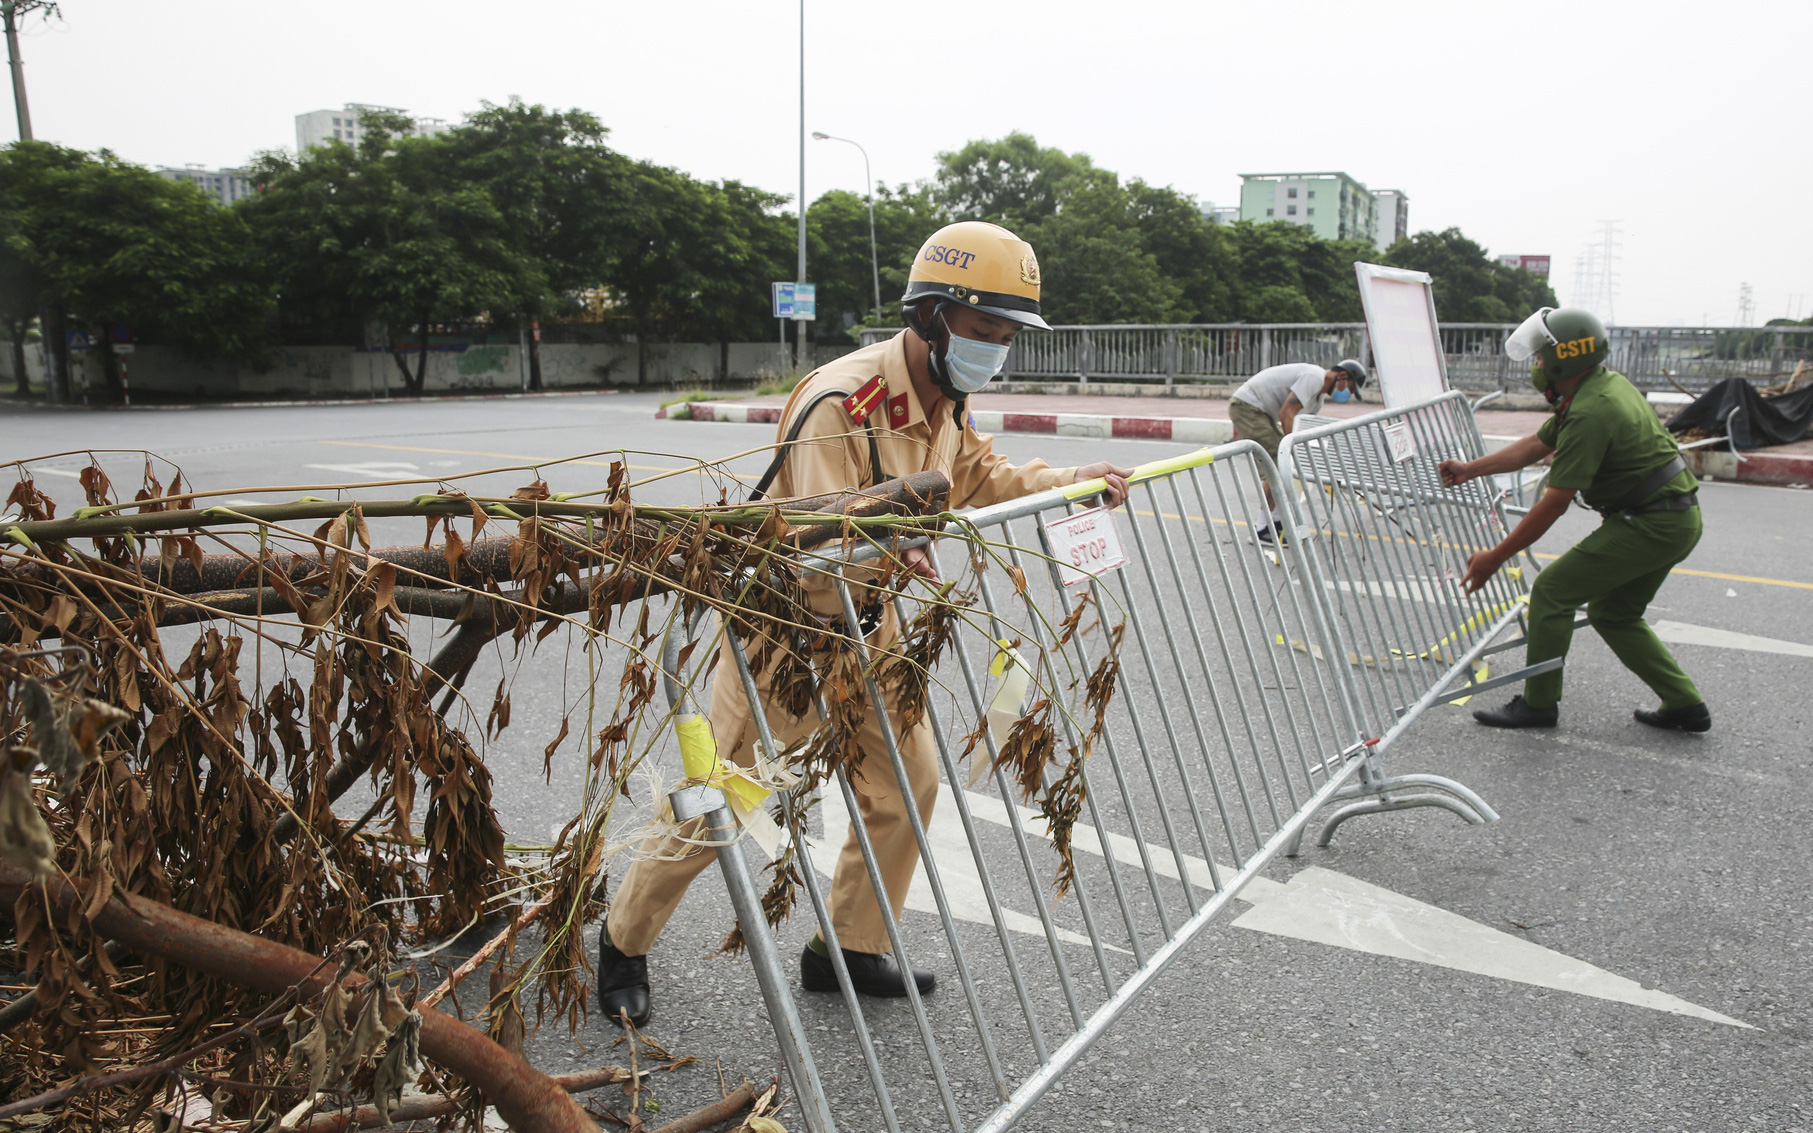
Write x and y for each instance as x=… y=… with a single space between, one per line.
x=1091 y=258
x=1013 y=181
x=561 y=193
x=109 y=244
x=1470 y=286
x=699 y=259
x=1193 y=253
x=837 y=230
x=386 y=233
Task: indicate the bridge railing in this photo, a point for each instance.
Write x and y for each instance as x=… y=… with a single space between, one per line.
x=1658 y=358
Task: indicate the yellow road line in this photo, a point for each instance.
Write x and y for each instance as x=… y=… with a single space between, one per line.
x=1540 y=554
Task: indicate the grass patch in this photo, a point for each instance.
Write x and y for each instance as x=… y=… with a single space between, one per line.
x=688 y=396
x=777 y=386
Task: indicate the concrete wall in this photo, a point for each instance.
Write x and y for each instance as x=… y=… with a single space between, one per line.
x=339 y=371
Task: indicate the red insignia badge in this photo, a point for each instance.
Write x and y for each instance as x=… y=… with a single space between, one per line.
x=897 y=410
x=863 y=402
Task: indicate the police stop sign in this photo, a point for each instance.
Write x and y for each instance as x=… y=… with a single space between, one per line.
x=1085 y=545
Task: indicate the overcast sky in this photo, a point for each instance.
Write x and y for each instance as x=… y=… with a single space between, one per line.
x=1524 y=124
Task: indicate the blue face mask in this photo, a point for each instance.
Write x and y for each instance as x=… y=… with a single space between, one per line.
x=1342 y=395
x=970 y=364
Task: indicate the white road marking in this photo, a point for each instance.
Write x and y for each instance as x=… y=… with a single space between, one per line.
x=1681 y=633
x=375 y=469
x=1317 y=905
x=1331 y=908
x=49 y=471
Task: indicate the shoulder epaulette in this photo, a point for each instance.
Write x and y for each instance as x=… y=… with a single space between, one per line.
x=863 y=402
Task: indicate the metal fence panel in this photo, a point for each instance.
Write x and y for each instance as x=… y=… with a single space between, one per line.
x=1231 y=724
x=1394 y=542
x=1654 y=358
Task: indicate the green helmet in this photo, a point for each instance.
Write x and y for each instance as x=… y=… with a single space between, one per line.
x=1567 y=343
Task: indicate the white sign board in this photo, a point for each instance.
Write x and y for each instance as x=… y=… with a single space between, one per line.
x=1403 y=444
x=1407 y=351
x=1085 y=545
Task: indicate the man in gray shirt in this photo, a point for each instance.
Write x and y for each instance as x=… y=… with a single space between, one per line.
x=1266 y=407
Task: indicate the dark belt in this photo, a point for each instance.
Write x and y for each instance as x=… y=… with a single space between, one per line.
x=1667 y=503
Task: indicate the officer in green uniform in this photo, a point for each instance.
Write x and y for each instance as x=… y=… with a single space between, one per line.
x=1609 y=447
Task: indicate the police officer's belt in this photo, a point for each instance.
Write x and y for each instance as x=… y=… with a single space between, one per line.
x=1633 y=504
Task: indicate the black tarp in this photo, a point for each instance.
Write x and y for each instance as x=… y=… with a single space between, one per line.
x=1760 y=422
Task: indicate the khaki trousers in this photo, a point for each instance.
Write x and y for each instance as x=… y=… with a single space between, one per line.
x=658 y=878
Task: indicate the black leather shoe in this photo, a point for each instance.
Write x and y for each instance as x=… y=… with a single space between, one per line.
x=871 y=973
x=622 y=984
x=1696 y=718
x=1517 y=714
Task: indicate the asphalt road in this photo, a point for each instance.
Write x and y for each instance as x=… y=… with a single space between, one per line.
x=1679 y=862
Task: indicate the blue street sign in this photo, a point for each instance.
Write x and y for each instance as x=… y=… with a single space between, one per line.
x=77 y=339
x=795 y=300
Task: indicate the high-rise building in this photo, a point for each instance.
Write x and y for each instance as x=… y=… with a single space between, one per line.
x=1220 y=214
x=1391 y=217
x=1335 y=206
x=224 y=185
x=319 y=127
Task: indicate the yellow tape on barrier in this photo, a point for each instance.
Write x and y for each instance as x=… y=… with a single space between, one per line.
x=1151 y=470
x=699 y=759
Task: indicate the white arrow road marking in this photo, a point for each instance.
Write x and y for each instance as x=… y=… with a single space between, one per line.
x=1681 y=633
x=1331 y=908
x=956 y=868
x=1317 y=905
x=377 y=469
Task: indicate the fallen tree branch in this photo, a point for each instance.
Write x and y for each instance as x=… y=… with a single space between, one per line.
x=526 y=1098
x=421 y=1107
x=733 y=1103
x=528 y=917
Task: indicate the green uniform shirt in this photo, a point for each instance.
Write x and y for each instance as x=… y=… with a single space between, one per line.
x=1608 y=441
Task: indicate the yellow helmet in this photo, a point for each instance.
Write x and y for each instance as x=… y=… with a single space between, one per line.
x=981 y=266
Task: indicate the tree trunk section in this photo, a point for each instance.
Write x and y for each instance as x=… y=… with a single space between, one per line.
x=523 y=1095
x=535 y=355
x=421 y=362
x=16 y=330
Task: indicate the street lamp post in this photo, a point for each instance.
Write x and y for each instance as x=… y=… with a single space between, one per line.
x=869 y=182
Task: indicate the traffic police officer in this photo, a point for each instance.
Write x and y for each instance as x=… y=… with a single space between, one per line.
x=886 y=410
x=1610 y=447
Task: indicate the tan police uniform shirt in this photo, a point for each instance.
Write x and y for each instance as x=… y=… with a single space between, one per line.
x=832 y=452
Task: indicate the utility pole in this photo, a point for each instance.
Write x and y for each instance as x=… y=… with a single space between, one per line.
x=11 y=11
x=799 y=328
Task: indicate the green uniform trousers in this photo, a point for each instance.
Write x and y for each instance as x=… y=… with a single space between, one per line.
x=1614 y=572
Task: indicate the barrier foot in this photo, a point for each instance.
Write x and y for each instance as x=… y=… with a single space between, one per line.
x=1380 y=797
x=708 y=802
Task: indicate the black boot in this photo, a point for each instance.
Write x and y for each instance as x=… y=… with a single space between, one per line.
x=871 y=973
x=622 y=983
x=1695 y=718
x=1518 y=714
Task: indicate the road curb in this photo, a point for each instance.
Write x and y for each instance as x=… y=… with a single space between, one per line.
x=1751 y=467
x=1190 y=430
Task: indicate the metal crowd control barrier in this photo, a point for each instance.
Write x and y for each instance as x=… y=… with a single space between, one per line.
x=1392 y=544
x=1228 y=730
